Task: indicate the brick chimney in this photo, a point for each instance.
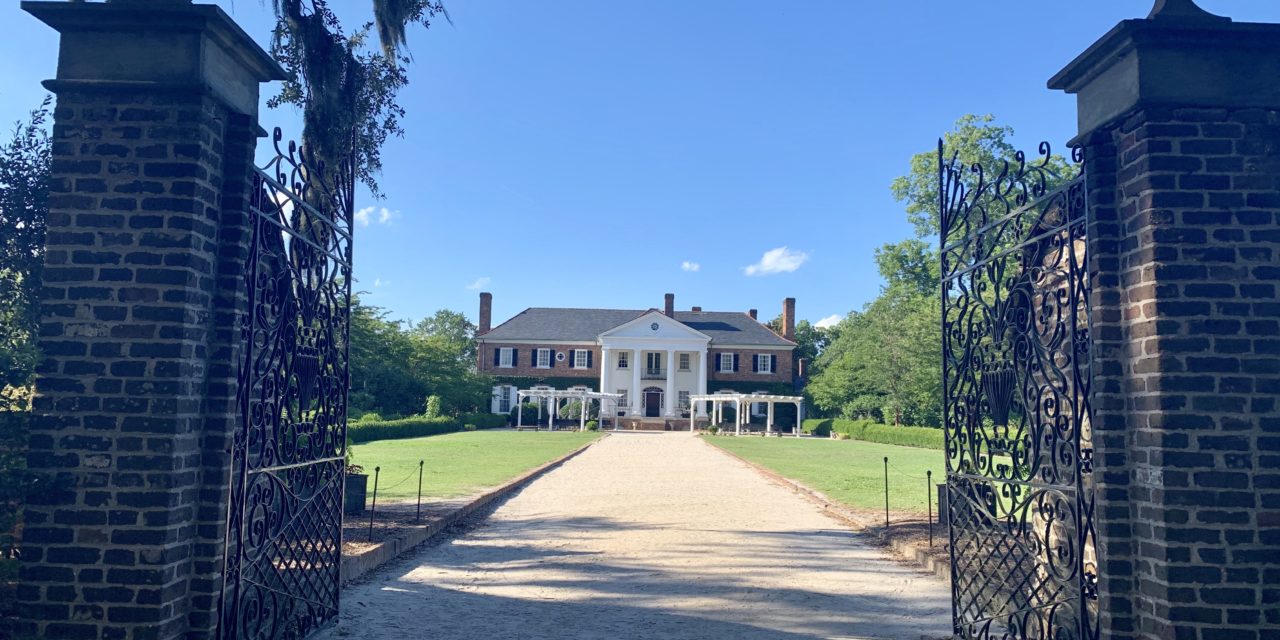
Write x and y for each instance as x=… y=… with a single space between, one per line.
x=789 y=318
x=670 y=307
x=697 y=309
x=752 y=313
x=486 y=313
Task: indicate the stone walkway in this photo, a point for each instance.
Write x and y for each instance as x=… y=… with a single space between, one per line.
x=649 y=536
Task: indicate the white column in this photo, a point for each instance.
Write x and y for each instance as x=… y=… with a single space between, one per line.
x=582 y=413
x=768 y=423
x=668 y=398
x=553 y=407
x=702 y=381
x=737 y=415
x=799 y=418
x=634 y=395
x=519 y=410
x=605 y=359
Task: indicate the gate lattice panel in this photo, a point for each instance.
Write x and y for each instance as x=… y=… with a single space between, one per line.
x=1016 y=388
x=284 y=537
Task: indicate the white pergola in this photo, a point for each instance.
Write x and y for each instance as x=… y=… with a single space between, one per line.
x=718 y=400
x=553 y=398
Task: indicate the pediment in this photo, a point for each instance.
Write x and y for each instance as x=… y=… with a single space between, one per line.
x=655 y=325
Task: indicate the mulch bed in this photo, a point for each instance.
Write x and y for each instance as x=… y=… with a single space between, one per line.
x=391 y=520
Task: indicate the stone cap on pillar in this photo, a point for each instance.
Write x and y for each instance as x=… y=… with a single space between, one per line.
x=1179 y=56
x=156 y=45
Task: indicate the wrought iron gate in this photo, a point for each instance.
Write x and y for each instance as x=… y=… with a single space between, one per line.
x=284 y=538
x=1016 y=388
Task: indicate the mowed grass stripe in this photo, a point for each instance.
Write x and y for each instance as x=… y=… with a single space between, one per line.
x=460 y=464
x=849 y=471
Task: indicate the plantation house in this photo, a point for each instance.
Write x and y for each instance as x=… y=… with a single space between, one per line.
x=655 y=359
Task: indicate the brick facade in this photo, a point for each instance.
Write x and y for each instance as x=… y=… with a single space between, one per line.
x=783 y=374
x=143 y=284
x=525 y=359
x=525 y=368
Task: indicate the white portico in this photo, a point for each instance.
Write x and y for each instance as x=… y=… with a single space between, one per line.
x=656 y=363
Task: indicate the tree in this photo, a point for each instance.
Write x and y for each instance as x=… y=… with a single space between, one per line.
x=24 y=180
x=975 y=140
x=346 y=89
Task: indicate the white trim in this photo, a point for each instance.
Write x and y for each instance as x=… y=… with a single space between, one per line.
x=623 y=355
x=580 y=358
x=684 y=361
x=752 y=347
x=522 y=341
x=764 y=360
x=537 y=358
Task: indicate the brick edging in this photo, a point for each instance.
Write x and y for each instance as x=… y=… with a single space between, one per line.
x=356 y=566
x=849 y=517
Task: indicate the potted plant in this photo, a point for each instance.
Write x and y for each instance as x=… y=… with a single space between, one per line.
x=356 y=487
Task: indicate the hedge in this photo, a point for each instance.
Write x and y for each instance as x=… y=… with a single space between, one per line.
x=871 y=431
x=419 y=426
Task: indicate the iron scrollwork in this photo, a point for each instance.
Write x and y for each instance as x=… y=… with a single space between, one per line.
x=284 y=540
x=1016 y=386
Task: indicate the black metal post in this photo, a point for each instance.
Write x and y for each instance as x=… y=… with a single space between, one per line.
x=373 y=508
x=886 y=494
x=418 y=517
x=928 y=493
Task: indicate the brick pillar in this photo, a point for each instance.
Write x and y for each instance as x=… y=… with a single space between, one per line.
x=486 y=313
x=147 y=233
x=1180 y=120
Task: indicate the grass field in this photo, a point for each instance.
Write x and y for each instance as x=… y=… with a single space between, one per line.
x=850 y=471
x=459 y=464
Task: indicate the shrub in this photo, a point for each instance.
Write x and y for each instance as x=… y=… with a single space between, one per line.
x=468 y=427
x=369 y=417
x=433 y=406
x=411 y=427
x=485 y=420
x=529 y=414
x=592 y=425
x=713 y=430
x=870 y=431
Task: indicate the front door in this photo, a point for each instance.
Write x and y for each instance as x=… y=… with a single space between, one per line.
x=652 y=404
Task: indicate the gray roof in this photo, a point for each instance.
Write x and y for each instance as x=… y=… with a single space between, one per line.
x=584 y=325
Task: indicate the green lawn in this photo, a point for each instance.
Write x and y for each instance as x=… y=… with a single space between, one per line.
x=459 y=464
x=850 y=471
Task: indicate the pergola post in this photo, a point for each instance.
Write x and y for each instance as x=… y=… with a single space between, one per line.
x=582 y=413
x=737 y=417
x=797 y=419
x=768 y=423
x=519 y=410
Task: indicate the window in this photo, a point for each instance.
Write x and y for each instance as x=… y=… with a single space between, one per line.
x=760 y=408
x=726 y=362
x=580 y=359
x=504 y=357
x=504 y=398
x=622 y=402
x=684 y=362
x=622 y=359
x=684 y=399
x=654 y=361
x=765 y=363
x=544 y=359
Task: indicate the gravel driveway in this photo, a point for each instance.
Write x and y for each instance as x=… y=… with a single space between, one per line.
x=649 y=536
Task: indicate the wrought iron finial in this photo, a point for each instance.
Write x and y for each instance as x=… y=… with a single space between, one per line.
x=1183 y=10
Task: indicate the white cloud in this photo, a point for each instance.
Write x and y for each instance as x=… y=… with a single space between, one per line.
x=780 y=260
x=480 y=283
x=379 y=283
x=828 y=322
x=690 y=266
x=385 y=215
x=362 y=216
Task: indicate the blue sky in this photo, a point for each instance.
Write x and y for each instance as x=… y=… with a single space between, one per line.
x=591 y=153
